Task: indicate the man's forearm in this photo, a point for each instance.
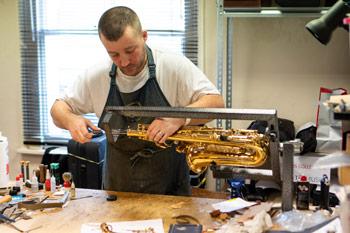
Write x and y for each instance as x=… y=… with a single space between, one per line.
x=60 y=113
x=207 y=101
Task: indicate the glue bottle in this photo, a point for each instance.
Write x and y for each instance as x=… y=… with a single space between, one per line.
x=48 y=182
x=34 y=184
x=53 y=184
x=4 y=162
x=72 y=188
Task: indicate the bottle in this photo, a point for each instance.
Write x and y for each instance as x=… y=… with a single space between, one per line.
x=18 y=180
x=35 y=185
x=57 y=174
x=21 y=181
x=53 y=184
x=303 y=194
x=72 y=190
x=4 y=162
x=53 y=169
x=48 y=182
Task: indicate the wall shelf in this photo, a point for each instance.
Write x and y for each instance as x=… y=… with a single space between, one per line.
x=272 y=11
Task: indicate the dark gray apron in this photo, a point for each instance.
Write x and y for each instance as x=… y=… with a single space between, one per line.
x=134 y=165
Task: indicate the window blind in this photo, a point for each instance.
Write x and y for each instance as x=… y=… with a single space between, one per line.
x=59 y=40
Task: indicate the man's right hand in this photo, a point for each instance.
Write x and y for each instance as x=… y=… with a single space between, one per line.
x=78 y=128
x=64 y=118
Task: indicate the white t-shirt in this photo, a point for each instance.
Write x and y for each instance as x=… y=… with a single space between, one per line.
x=181 y=82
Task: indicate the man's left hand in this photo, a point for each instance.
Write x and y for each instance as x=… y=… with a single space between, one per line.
x=161 y=128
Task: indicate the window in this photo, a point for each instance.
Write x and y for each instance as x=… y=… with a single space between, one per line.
x=59 y=39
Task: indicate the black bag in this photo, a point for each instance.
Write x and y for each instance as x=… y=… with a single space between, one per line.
x=285 y=127
x=85 y=162
x=308 y=137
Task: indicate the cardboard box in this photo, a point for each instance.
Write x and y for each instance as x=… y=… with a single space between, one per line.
x=344 y=175
x=344 y=172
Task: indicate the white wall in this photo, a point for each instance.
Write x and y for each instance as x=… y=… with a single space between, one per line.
x=10 y=82
x=277 y=65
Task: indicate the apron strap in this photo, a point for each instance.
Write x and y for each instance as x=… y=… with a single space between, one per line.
x=145 y=153
x=151 y=65
x=113 y=74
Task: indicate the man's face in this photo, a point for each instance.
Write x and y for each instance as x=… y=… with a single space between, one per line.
x=129 y=52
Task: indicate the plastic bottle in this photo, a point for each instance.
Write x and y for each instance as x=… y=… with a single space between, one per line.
x=18 y=181
x=55 y=172
x=72 y=190
x=4 y=162
x=53 y=184
x=48 y=182
x=34 y=184
x=21 y=181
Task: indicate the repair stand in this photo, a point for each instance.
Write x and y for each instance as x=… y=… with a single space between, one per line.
x=269 y=171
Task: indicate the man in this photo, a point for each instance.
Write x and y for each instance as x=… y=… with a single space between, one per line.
x=139 y=76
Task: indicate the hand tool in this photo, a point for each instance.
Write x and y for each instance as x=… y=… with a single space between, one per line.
x=77 y=198
x=27 y=170
x=22 y=169
x=42 y=173
x=6 y=198
x=35 y=204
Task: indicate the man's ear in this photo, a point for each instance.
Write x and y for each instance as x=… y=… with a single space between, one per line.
x=144 y=35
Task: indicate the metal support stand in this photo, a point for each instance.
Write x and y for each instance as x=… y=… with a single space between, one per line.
x=287 y=177
x=269 y=171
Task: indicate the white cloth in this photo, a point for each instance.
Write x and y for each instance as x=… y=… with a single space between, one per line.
x=181 y=82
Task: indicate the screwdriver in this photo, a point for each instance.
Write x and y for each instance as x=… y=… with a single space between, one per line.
x=6 y=198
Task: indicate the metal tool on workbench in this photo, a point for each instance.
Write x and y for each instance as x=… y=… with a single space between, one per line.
x=37 y=204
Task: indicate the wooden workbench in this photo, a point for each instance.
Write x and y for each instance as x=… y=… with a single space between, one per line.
x=128 y=207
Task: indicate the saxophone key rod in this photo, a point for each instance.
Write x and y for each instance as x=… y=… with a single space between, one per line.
x=119 y=132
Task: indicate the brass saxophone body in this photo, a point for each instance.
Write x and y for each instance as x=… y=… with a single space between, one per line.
x=208 y=145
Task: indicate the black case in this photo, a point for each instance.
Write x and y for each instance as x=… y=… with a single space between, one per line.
x=87 y=170
x=185 y=228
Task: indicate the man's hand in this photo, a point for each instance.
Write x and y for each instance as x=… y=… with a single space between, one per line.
x=161 y=128
x=77 y=125
x=78 y=128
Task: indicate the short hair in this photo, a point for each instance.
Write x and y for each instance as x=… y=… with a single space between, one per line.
x=114 y=21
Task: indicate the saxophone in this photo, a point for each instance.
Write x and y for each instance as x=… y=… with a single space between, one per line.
x=208 y=145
